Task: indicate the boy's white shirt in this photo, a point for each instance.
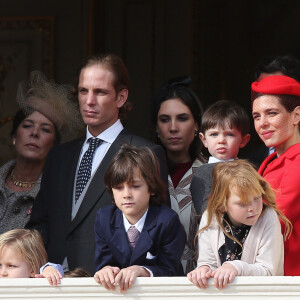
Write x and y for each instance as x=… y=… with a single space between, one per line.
x=263 y=249
x=139 y=225
x=213 y=160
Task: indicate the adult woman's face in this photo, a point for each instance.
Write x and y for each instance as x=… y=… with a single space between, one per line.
x=34 y=137
x=274 y=124
x=176 y=128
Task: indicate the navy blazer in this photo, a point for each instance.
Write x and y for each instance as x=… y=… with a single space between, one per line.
x=159 y=247
x=51 y=213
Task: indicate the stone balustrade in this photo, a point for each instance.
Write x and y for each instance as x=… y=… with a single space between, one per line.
x=152 y=288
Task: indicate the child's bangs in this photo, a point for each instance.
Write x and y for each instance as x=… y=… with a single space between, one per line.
x=247 y=187
x=219 y=122
x=124 y=172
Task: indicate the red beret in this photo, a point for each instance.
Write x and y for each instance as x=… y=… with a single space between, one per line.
x=277 y=85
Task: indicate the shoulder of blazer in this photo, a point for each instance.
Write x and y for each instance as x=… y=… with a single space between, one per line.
x=71 y=146
x=135 y=140
x=159 y=215
x=204 y=170
x=110 y=215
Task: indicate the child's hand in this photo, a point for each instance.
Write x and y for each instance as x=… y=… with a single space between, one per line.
x=52 y=275
x=127 y=276
x=106 y=277
x=224 y=275
x=199 y=276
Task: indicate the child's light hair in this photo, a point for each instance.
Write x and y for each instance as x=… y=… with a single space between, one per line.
x=242 y=176
x=126 y=161
x=28 y=243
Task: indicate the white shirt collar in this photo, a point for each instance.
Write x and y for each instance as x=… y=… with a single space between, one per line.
x=138 y=225
x=109 y=134
x=213 y=159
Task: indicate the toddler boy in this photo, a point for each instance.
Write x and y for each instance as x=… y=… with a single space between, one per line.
x=224 y=130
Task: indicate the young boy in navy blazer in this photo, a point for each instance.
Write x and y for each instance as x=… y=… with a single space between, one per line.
x=133 y=179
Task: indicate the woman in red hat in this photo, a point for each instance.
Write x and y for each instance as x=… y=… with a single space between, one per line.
x=276 y=114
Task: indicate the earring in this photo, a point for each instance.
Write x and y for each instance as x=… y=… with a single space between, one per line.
x=196 y=132
x=157 y=134
x=14 y=142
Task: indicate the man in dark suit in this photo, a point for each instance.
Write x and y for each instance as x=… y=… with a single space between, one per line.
x=72 y=188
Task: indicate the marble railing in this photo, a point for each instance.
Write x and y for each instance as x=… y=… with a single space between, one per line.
x=152 y=288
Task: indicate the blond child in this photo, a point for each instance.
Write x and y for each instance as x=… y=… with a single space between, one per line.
x=23 y=255
x=240 y=232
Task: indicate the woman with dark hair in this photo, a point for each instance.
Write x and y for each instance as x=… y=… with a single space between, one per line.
x=276 y=114
x=177 y=117
x=47 y=117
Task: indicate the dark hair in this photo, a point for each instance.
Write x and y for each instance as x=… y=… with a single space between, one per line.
x=20 y=116
x=77 y=272
x=119 y=70
x=222 y=111
x=177 y=88
x=287 y=64
x=126 y=161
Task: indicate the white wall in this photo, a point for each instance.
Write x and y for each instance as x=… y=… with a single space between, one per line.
x=153 y=288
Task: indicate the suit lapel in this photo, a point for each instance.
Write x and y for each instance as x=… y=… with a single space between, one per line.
x=74 y=151
x=97 y=186
x=119 y=239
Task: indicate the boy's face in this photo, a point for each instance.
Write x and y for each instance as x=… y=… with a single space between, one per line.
x=224 y=143
x=12 y=265
x=132 y=198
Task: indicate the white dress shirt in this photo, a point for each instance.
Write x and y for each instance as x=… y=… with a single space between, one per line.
x=213 y=160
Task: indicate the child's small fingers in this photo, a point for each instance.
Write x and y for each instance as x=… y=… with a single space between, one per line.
x=109 y=281
x=208 y=274
x=225 y=281
x=97 y=278
x=119 y=280
x=111 y=277
x=100 y=278
x=231 y=277
x=199 y=280
x=55 y=279
x=50 y=279
x=129 y=281
x=121 y=285
x=217 y=280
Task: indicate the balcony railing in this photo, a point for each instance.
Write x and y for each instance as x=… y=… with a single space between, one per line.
x=153 y=288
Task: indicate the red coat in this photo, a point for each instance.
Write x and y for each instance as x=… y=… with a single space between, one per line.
x=283 y=174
